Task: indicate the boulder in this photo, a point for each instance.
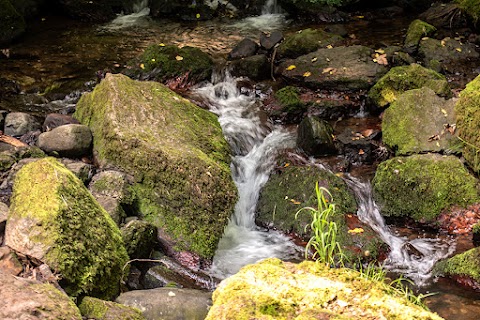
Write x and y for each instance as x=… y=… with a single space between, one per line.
x=32 y=300
x=471 y=8
x=269 y=40
x=175 y=151
x=84 y=171
x=93 y=308
x=9 y=263
x=245 y=48
x=70 y=140
x=315 y=11
x=339 y=68
x=444 y=15
x=65 y=228
x=273 y=289
x=254 y=67
x=54 y=120
x=463 y=267
x=421 y=186
x=19 y=123
x=168 y=303
x=467 y=110
x=315 y=137
x=403 y=78
x=417 y=30
x=12 y=24
x=306 y=41
x=419 y=121
x=140 y=238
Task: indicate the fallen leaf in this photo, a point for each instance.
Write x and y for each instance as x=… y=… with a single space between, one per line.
x=443 y=43
x=329 y=46
x=329 y=70
x=142 y=66
x=450 y=128
x=294 y=201
x=153 y=59
x=328 y=60
x=444 y=112
x=314 y=59
x=425 y=38
x=179 y=58
x=360 y=17
x=286 y=165
x=361 y=152
x=307 y=74
x=356 y=231
x=380 y=51
x=381 y=59
x=458 y=49
x=161 y=44
x=290 y=67
x=367 y=132
x=197 y=15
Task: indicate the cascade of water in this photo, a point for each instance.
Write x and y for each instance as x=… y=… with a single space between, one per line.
x=254 y=148
x=413 y=258
x=140 y=11
x=271 y=7
x=272 y=18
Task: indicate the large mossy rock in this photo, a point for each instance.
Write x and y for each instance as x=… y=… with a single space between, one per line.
x=339 y=68
x=464 y=266
x=421 y=186
x=273 y=289
x=417 y=30
x=419 y=121
x=33 y=300
x=403 y=78
x=467 y=110
x=175 y=151
x=12 y=24
x=306 y=41
x=54 y=219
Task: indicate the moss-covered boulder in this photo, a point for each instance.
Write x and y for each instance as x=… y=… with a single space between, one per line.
x=289 y=99
x=421 y=186
x=419 y=121
x=175 y=151
x=140 y=238
x=273 y=289
x=403 y=78
x=161 y=63
x=417 y=30
x=12 y=23
x=31 y=299
x=306 y=41
x=65 y=228
x=93 y=308
x=315 y=137
x=464 y=267
x=254 y=67
x=339 y=68
x=467 y=110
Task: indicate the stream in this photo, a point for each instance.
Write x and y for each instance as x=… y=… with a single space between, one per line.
x=60 y=52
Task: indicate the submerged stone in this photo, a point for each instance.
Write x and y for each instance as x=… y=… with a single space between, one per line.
x=54 y=219
x=421 y=186
x=175 y=151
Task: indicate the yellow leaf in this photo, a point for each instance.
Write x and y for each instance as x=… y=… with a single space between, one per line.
x=153 y=59
x=307 y=74
x=361 y=152
x=314 y=59
x=380 y=51
x=294 y=201
x=161 y=44
x=290 y=67
x=179 y=58
x=142 y=66
x=355 y=231
x=444 y=112
x=458 y=49
x=197 y=15
x=360 y=17
x=442 y=43
x=286 y=165
x=328 y=60
x=329 y=46
x=425 y=38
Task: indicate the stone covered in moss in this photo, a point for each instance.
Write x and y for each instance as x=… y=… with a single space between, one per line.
x=421 y=186
x=306 y=41
x=289 y=99
x=139 y=238
x=55 y=219
x=93 y=308
x=467 y=110
x=254 y=67
x=403 y=78
x=161 y=63
x=175 y=151
x=463 y=265
x=419 y=121
x=416 y=31
x=12 y=23
x=273 y=289
x=471 y=8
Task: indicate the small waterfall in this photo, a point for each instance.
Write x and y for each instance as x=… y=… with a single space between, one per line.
x=271 y=7
x=413 y=258
x=272 y=18
x=255 y=148
x=140 y=12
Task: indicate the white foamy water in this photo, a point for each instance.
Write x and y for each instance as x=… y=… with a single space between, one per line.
x=272 y=18
x=254 y=147
x=138 y=17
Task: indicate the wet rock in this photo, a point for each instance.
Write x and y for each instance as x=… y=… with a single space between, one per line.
x=70 y=140
x=463 y=267
x=339 y=68
x=93 y=308
x=446 y=54
x=319 y=12
x=140 y=238
x=269 y=40
x=419 y=121
x=417 y=30
x=9 y=263
x=315 y=137
x=362 y=147
x=445 y=15
x=403 y=78
x=19 y=123
x=84 y=171
x=290 y=104
x=468 y=121
x=421 y=186
x=110 y=189
x=470 y=8
x=306 y=41
x=245 y=48
x=12 y=24
x=66 y=229
x=54 y=120
x=254 y=67
x=168 y=303
x=184 y=10
x=308 y=290
x=181 y=169
x=32 y=103
x=30 y=299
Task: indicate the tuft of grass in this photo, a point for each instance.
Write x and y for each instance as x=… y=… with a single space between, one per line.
x=326 y=248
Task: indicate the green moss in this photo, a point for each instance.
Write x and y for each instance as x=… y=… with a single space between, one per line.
x=467 y=110
x=56 y=305
x=83 y=242
x=470 y=7
x=175 y=151
x=403 y=78
x=273 y=290
x=416 y=31
x=139 y=238
x=97 y=309
x=306 y=41
x=466 y=264
x=421 y=186
x=289 y=98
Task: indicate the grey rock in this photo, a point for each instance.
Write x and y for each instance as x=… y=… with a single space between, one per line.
x=245 y=48
x=19 y=123
x=315 y=137
x=54 y=120
x=268 y=41
x=71 y=140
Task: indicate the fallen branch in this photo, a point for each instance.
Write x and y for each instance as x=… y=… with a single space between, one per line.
x=12 y=141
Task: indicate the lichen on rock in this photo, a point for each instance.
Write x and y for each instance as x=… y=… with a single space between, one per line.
x=175 y=151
